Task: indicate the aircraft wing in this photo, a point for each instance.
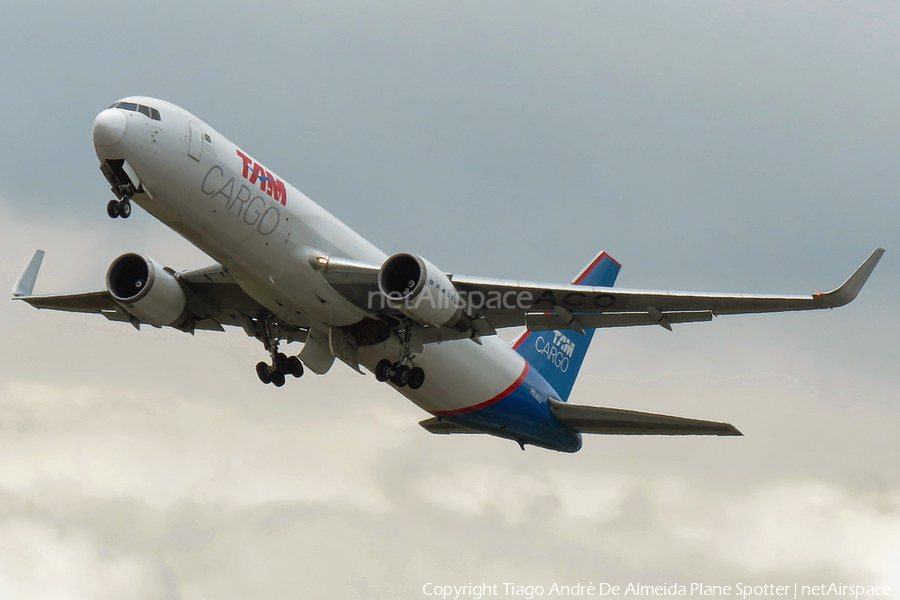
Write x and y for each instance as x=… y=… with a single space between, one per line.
x=213 y=298
x=582 y=307
x=495 y=304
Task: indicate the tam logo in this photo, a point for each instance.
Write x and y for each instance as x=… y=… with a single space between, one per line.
x=256 y=173
x=565 y=344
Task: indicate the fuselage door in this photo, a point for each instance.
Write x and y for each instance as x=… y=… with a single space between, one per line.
x=196 y=142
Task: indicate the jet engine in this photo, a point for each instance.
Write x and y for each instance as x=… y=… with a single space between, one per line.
x=146 y=290
x=420 y=290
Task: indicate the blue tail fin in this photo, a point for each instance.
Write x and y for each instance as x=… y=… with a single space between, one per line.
x=557 y=355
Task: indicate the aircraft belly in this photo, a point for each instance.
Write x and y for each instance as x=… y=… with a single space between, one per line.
x=460 y=373
x=488 y=388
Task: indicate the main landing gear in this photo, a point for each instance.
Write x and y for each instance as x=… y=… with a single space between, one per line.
x=281 y=366
x=399 y=374
x=119 y=208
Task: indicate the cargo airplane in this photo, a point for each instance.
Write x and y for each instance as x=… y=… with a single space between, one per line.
x=288 y=271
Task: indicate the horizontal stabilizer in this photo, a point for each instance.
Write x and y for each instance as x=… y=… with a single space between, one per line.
x=617 y=421
x=438 y=425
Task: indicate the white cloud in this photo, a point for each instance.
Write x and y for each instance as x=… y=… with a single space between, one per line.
x=113 y=442
x=785 y=526
x=43 y=560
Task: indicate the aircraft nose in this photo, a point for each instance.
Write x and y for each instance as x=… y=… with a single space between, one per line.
x=109 y=127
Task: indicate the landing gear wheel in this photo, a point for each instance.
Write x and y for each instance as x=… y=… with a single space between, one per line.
x=262 y=371
x=125 y=209
x=294 y=367
x=401 y=376
x=383 y=370
x=281 y=361
x=416 y=378
x=278 y=378
x=112 y=209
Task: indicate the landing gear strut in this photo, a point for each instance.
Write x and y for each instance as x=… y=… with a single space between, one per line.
x=402 y=372
x=119 y=208
x=282 y=364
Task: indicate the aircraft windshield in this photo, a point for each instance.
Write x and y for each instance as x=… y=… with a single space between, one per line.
x=146 y=110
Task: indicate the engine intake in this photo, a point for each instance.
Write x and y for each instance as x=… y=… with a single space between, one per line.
x=146 y=290
x=420 y=290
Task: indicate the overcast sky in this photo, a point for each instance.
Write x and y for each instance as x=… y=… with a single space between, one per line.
x=710 y=146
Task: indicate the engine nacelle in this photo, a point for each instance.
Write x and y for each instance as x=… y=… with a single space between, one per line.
x=146 y=290
x=420 y=290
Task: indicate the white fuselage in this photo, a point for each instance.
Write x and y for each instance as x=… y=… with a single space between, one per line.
x=263 y=230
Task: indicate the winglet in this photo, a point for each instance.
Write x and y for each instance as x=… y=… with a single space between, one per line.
x=25 y=284
x=850 y=288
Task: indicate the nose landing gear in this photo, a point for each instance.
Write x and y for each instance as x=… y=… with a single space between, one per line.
x=124 y=184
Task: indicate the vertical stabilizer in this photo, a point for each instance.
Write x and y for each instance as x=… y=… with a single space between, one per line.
x=557 y=355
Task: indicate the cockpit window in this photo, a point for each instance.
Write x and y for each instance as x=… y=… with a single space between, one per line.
x=145 y=110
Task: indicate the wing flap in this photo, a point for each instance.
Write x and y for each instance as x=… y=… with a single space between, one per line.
x=552 y=321
x=617 y=421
